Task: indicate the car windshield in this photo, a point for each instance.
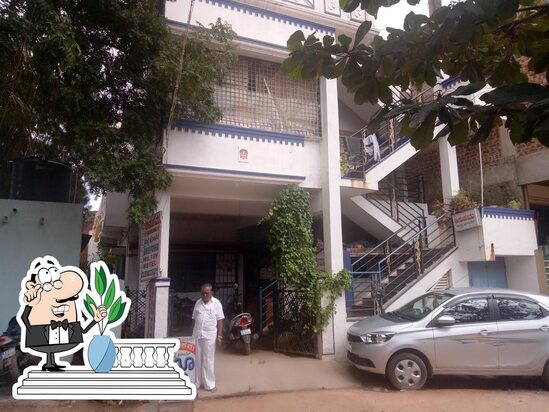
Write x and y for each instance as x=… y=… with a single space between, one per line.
x=422 y=306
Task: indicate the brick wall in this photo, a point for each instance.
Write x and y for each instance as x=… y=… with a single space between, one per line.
x=533 y=146
x=468 y=156
x=427 y=164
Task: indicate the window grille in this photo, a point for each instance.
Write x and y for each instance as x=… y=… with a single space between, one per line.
x=257 y=94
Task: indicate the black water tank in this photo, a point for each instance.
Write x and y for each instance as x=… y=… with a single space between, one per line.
x=41 y=180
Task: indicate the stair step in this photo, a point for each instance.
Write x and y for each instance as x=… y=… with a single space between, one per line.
x=356 y=313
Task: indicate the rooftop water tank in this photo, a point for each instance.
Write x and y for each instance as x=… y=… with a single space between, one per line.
x=40 y=180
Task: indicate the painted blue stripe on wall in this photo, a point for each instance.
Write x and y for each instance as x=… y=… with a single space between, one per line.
x=450 y=81
x=237 y=37
x=253 y=10
x=233 y=172
x=522 y=214
x=239 y=132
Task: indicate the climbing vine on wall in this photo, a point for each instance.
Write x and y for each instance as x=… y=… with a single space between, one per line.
x=290 y=241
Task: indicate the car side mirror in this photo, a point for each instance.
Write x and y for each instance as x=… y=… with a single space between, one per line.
x=446 y=320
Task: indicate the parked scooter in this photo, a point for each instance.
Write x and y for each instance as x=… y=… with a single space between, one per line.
x=238 y=330
x=12 y=360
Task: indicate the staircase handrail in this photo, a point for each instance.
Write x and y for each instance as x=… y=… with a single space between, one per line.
x=413 y=238
x=400 y=195
x=382 y=243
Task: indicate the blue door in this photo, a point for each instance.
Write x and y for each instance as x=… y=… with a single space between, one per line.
x=488 y=274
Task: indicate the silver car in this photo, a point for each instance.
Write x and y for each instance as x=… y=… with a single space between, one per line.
x=455 y=332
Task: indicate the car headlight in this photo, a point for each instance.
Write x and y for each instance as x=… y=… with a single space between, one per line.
x=377 y=337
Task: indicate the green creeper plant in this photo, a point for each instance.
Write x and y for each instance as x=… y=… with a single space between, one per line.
x=290 y=241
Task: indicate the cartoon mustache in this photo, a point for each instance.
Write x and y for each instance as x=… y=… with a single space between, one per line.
x=67 y=300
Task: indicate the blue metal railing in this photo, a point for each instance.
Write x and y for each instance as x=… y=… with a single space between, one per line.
x=383 y=276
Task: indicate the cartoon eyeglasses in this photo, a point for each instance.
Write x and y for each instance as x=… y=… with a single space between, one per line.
x=47 y=286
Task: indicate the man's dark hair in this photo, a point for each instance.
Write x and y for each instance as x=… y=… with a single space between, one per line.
x=206 y=285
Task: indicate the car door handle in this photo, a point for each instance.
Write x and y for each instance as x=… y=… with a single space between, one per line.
x=484 y=332
x=544 y=328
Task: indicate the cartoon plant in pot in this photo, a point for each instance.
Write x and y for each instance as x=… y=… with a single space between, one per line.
x=101 y=352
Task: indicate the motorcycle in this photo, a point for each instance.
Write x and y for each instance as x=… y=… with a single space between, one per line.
x=239 y=328
x=12 y=360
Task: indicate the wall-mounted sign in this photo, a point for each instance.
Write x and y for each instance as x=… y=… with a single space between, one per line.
x=467 y=219
x=150 y=247
x=243 y=155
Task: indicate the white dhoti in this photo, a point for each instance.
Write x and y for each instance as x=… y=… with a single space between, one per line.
x=205 y=359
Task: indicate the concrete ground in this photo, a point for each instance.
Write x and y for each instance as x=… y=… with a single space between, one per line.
x=266 y=371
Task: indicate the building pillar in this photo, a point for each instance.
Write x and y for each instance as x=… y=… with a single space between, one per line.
x=164 y=207
x=157 y=317
x=448 y=168
x=333 y=337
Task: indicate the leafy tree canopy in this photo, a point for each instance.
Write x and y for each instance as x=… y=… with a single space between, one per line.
x=89 y=83
x=481 y=41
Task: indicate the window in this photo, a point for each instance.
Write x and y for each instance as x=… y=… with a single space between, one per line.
x=419 y=308
x=257 y=94
x=518 y=309
x=470 y=311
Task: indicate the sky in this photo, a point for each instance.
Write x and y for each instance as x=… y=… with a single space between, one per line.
x=387 y=17
x=394 y=16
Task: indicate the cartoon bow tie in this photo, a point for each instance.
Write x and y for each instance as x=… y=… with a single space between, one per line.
x=59 y=324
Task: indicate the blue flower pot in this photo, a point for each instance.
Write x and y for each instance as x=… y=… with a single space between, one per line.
x=101 y=353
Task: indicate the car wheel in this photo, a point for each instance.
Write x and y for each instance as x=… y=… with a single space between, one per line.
x=407 y=371
x=546 y=375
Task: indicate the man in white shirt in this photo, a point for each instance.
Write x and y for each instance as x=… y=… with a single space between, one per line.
x=207 y=330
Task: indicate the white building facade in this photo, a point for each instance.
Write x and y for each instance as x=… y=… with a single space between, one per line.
x=276 y=131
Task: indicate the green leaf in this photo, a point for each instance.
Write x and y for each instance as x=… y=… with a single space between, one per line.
x=109 y=297
x=482 y=133
x=423 y=135
x=458 y=133
x=344 y=40
x=514 y=94
x=87 y=303
x=113 y=312
x=327 y=40
x=349 y=5
x=295 y=41
x=468 y=89
x=362 y=30
x=119 y=314
x=100 y=281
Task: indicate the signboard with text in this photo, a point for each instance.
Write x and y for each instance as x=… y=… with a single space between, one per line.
x=466 y=219
x=149 y=263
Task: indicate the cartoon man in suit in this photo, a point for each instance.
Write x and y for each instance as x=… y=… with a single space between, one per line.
x=50 y=313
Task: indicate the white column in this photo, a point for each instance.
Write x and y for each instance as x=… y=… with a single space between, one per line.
x=333 y=338
x=164 y=206
x=448 y=168
x=160 y=305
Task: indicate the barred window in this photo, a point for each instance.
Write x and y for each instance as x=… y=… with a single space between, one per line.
x=256 y=94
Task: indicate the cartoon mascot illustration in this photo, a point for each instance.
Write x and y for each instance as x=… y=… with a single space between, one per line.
x=49 y=310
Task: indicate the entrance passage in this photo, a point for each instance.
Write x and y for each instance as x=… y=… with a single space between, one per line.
x=189 y=269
